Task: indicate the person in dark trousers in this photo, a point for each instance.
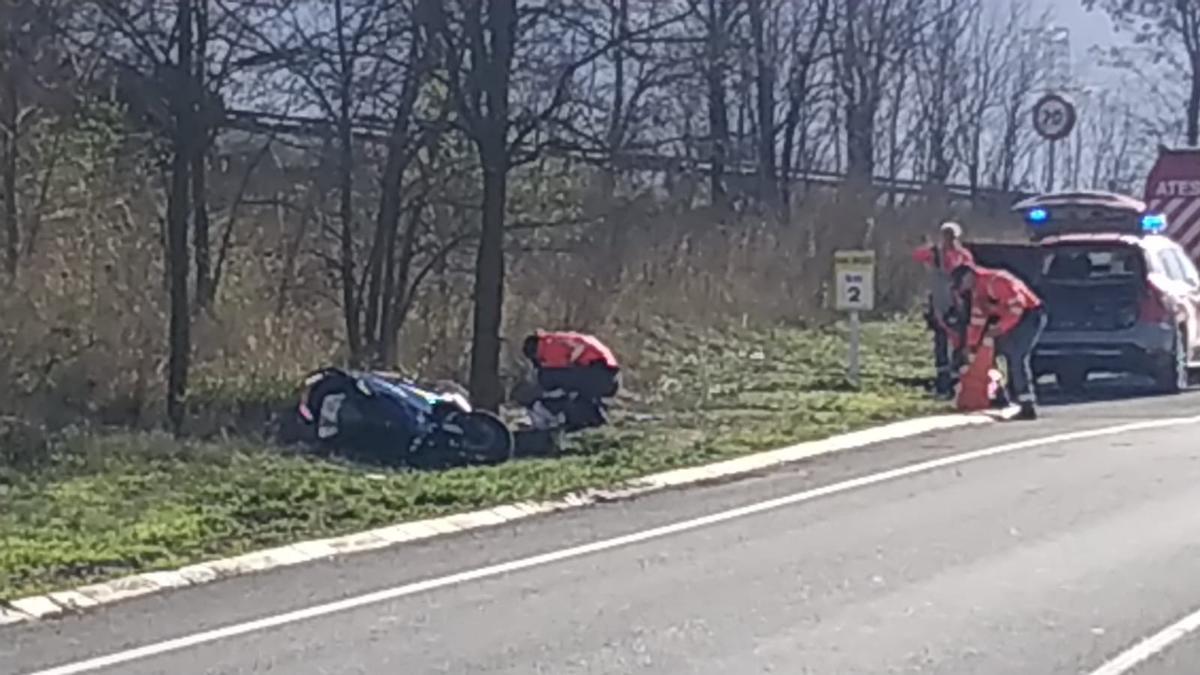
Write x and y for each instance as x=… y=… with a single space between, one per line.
x=575 y=373
x=1004 y=308
x=944 y=315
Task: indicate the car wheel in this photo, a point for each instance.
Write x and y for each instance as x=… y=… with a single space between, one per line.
x=1173 y=377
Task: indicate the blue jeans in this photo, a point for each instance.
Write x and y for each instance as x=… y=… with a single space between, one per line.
x=1016 y=346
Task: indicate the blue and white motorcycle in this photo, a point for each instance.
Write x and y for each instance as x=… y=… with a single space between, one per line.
x=397 y=421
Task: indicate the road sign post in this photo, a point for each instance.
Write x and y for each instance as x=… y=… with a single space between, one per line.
x=854 y=292
x=1054 y=119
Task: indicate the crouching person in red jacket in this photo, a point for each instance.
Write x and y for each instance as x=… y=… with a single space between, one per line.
x=575 y=373
x=1004 y=308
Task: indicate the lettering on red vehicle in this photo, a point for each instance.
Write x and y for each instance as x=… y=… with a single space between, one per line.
x=1178 y=188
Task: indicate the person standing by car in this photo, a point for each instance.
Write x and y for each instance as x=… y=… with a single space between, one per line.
x=944 y=316
x=575 y=372
x=1005 y=309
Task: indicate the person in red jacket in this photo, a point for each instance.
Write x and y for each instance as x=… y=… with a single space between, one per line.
x=944 y=316
x=1007 y=310
x=575 y=372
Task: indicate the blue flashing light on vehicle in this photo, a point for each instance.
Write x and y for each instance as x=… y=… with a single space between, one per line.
x=1038 y=216
x=1154 y=223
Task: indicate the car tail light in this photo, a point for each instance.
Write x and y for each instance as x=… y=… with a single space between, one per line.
x=1153 y=306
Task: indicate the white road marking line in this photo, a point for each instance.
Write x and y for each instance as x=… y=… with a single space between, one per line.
x=1128 y=660
x=235 y=630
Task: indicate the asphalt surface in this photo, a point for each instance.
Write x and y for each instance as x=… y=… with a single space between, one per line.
x=1050 y=559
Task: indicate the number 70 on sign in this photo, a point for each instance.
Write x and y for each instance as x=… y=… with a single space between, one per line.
x=854 y=280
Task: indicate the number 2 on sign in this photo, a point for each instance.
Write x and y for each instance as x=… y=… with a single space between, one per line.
x=854 y=293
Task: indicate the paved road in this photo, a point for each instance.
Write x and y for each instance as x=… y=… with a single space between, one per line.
x=1047 y=559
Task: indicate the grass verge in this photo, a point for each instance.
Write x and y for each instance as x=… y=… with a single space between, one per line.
x=106 y=506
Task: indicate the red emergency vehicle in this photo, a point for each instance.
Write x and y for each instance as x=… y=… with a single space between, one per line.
x=1173 y=189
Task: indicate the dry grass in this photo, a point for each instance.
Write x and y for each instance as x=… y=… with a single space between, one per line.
x=86 y=343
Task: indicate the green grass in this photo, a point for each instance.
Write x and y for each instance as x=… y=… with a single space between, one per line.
x=103 y=507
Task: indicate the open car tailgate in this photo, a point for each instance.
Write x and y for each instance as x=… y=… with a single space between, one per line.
x=1023 y=259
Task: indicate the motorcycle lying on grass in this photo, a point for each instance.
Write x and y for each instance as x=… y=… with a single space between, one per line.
x=389 y=420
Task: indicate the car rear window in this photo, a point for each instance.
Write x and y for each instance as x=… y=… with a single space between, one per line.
x=1094 y=264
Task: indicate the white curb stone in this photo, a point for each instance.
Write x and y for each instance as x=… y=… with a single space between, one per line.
x=361 y=541
x=119 y=589
x=508 y=512
x=85 y=597
x=72 y=601
x=475 y=519
x=166 y=580
x=8 y=616
x=315 y=550
x=198 y=574
x=38 y=606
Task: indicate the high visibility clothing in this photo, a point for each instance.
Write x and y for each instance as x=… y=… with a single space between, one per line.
x=999 y=299
x=567 y=349
x=945 y=259
x=940 y=262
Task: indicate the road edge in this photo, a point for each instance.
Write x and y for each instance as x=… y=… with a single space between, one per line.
x=83 y=598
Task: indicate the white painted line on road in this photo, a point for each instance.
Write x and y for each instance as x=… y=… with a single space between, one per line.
x=1131 y=658
x=386 y=595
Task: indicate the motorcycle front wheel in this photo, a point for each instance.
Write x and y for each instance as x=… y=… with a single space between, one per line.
x=485 y=438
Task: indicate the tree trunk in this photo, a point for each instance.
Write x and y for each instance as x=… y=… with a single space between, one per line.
x=400 y=294
x=618 y=227
x=765 y=66
x=1193 y=107
x=9 y=155
x=200 y=217
x=718 y=113
x=894 y=134
x=379 y=291
x=200 y=233
x=860 y=143
x=491 y=138
x=179 y=332
x=350 y=301
x=616 y=121
x=489 y=284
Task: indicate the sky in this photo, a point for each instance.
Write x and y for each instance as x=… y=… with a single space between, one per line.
x=1088 y=30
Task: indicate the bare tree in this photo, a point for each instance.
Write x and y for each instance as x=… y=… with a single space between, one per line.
x=718 y=20
x=480 y=42
x=869 y=38
x=941 y=80
x=1160 y=24
x=1020 y=76
x=987 y=35
x=34 y=68
x=170 y=79
x=805 y=30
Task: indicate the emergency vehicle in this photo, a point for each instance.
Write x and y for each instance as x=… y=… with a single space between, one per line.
x=1122 y=295
x=1173 y=189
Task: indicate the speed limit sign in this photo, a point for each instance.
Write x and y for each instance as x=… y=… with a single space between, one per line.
x=1053 y=117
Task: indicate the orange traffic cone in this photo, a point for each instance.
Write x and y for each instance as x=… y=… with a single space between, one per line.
x=976 y=384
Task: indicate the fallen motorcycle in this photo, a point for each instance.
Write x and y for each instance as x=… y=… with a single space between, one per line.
x=396 y=421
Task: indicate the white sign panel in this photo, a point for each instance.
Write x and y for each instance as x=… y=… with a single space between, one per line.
x=1053 y=117
x=854 y=280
